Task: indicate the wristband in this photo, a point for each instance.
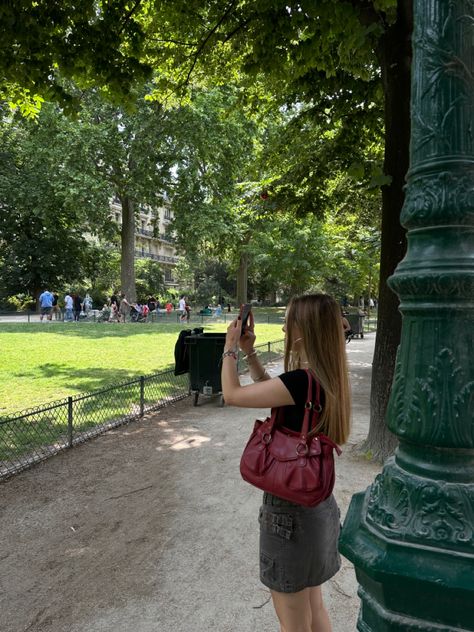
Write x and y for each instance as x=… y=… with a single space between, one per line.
x=231 y=353
x=250 y=355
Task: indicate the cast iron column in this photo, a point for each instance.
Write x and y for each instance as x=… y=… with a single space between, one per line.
x=411 y=534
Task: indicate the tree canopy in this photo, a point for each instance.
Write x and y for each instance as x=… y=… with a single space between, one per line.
x=46 y=45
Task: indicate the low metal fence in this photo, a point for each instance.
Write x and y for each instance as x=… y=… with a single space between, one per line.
x=161 y=317
x=35 y=434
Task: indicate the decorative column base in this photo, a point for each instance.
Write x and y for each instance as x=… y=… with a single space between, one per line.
x=411 y=541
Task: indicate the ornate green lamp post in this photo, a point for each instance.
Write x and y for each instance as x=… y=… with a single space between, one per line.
x=411 y=534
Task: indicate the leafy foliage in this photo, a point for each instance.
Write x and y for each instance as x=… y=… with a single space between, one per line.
x=42 y=219
x=88 y=42
x=149 y=279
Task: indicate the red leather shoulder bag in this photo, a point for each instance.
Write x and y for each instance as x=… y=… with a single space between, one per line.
x=289 y=464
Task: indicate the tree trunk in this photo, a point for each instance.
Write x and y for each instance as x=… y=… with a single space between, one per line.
x=242 y=277
x=127 y=262
x=395 y=54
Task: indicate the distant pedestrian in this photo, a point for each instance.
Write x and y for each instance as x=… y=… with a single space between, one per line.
x=187 y=312
x=77 y=306
x=87 y=303
x=182 y=308
x=114 y=299
x=69 y=307
x=114 y=313
x=124 y=308
x=169 y=307
x=46 y=299
x=56 y=308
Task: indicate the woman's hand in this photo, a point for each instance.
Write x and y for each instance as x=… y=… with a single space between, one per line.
x=247 y=341
x=234 y=340
x=233 y=335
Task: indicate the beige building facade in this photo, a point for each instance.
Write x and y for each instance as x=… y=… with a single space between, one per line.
x=151 y=237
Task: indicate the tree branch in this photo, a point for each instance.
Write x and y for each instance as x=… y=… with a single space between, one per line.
x=129 y=15
x=171 y=41
x=206 y=39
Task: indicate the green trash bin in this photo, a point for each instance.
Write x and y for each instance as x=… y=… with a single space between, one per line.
x=356 y=321
x=205 y=353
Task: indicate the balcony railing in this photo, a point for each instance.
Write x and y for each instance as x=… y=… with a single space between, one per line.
x=150 y=233
x=150 y=255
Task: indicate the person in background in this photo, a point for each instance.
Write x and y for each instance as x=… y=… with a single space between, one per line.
x=114 y=313
x=124 y=308
x=169 y=307
x=114 y=299
x=182 y=308
x=187 y=311
x=56 y=308
x=46 y=300
x=298 y=544
x=77 y=306
x=69 y=307
x=87 y=303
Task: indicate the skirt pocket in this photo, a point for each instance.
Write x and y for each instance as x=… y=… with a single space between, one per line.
x=275 y=523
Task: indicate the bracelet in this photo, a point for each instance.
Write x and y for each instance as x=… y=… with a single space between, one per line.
x=249 y=355
x=262 y=377
x=231 y=353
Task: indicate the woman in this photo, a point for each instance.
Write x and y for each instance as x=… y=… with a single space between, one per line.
x=77 y=305
x=298 y=545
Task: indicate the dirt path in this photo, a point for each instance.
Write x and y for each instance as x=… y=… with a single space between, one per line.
x=150 y=528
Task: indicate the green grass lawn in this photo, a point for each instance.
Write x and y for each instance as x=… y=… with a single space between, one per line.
x=42 y=362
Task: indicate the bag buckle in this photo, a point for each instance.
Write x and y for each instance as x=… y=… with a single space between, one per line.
x=267 y=437
x=310 y=406
x=302 y=449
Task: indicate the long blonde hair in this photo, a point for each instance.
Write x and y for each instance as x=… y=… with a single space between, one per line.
x=318 y=319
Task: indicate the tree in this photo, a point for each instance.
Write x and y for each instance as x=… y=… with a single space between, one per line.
x=42 y=218
x=301 y=47
x=150 y=281
x=128 y=154
x=85 y=41
x=214 y=147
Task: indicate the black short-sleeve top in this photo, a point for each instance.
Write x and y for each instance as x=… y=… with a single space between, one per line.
x=297 y=384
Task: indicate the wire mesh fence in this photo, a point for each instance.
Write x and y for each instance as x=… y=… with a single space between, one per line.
x=32 y=435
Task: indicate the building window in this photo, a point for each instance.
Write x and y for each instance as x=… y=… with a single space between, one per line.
x=167 y=213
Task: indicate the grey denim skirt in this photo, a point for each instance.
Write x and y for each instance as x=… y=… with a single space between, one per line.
x=298 y=545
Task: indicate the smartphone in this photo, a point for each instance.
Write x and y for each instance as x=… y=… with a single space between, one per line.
x=245 y=310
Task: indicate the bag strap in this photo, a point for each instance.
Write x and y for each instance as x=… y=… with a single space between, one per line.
x=312 y=406
x=311 y=413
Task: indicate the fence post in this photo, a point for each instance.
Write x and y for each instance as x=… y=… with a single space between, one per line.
x=269 y=347
x=69 y=422
x=142 y=395
x=28 y=316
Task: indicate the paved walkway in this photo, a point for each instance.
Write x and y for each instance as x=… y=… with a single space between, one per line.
x=150 y=528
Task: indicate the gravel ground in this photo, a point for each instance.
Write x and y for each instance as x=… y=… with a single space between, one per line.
x=150 y=527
